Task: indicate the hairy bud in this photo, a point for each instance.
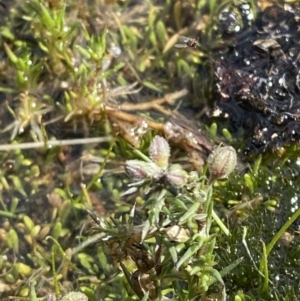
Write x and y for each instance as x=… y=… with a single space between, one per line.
x=159 y=151
x=140 y=170
x=176 y=176
x=221 y=162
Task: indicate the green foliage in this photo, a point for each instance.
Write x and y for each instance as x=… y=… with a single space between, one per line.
x=63 y=64
x=171 y=253
x=46 y=59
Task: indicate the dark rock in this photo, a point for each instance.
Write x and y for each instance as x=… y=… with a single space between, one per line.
x=257 y=75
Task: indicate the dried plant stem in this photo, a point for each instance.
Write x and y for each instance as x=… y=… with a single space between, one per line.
x=154 y=104
x=135 y=119
x=50 y=143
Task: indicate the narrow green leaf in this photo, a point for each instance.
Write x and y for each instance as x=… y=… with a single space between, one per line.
x=18 y=185
x=7 y=214
x=46 y=17
x=173 y=253
x=189 y=253
x=213 y=130
x=151 y=86
x=72 y=30
x=61 y=251
x=83 y=51
x=21 y=65
x=103 y=41
x=196 y=270
x=43 y=47
x=161 y=32
x=6 y=90
x=33 y=296
x=257 y=165
x=263 y=268
x=220 y=223
x=14 y=204
x=126 y=274
x=56 y=232
x=227 y=135
x=177 y=13
x=59 y=17
x=184 y=67
x=13 y=240
x=279 y=234
x=90 y=293
x=178 y=203
x=112 y=71
x=217 y=276
x=11 y=55
x=7 y=33
x=35 y=231
x=249 y=183
x=230 y=267
x=133 y=41
x=20 y=78
x=28 y=223
x=190 y=213
x=146 y=229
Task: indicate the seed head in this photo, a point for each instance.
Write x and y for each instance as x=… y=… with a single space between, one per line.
x=176 y=176
x=159 y=151
x=221 y=162
x=140 y=170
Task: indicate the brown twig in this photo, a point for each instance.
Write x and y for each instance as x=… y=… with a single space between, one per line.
x=155 y=104
x=134 y=119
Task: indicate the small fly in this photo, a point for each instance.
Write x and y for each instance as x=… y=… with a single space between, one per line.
x=186 y=42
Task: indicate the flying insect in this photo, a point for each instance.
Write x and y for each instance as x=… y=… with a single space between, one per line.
x=186 y=42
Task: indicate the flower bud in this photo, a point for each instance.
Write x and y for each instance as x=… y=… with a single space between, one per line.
x=140 y=170
x=221 y=162
x=159 y=151
x=135 y=169
x=176 y=176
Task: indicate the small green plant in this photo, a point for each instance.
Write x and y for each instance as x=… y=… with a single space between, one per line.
x=53 y=77
x=170 y=255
